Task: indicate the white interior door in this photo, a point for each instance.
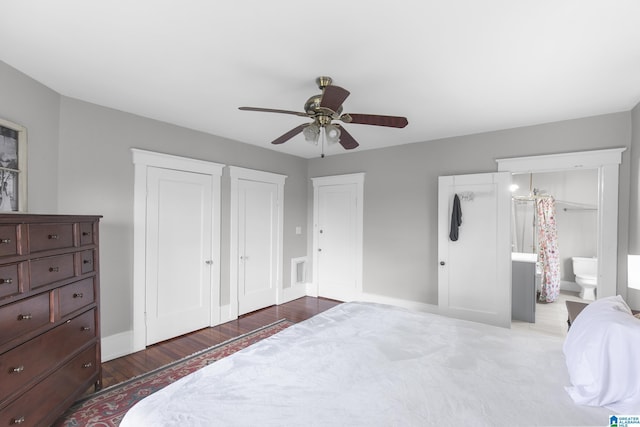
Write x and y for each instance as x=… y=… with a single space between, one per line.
x=338 y=236
x=257 y=244
x=179 y=252
x=474 y=278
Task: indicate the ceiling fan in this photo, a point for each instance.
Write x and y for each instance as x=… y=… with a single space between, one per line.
x=323 y=109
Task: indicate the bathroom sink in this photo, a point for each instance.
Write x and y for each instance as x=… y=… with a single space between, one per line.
x=524 y=257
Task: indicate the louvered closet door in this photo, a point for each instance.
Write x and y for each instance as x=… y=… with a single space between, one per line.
x=179 y=248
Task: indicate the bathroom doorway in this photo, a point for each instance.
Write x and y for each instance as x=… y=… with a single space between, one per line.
x=573 y=195
x=607 y=163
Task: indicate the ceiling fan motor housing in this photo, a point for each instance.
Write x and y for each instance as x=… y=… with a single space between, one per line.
x=313 y=108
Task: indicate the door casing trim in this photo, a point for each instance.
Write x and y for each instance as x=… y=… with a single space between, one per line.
x=607 y=162
x=237 y=173
x=142 y=160
x=358 y=180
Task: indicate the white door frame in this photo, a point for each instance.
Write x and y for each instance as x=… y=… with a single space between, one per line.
x=607 y=162
x=142 y=160
x=358 y=180
x=237 y=173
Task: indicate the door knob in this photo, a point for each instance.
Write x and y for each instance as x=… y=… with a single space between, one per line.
x=441 y=262
x=209 y=262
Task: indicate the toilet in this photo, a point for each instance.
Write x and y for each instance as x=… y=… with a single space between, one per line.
x=586 y=271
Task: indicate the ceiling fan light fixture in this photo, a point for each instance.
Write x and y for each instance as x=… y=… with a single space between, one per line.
x=312 y=133
x=324 y=108
x=332 y=132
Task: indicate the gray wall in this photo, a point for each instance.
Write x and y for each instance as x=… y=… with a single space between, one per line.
x=401 y=192
x=32 y=105
x=80 y=162
x=97 y=175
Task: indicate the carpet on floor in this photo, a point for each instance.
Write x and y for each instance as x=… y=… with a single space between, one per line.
x=107 y=407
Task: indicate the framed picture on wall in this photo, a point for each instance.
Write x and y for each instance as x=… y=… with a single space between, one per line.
x=13 y=167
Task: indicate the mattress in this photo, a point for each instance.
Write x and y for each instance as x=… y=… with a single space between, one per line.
x=364 y=364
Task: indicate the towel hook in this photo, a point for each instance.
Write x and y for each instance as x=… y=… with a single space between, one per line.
x=466 y=196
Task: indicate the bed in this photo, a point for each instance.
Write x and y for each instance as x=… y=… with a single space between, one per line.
x=365 y=364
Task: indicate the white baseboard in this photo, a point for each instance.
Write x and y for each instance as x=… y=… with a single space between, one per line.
x=117 y=345
x=311 y=290
x=225 y=314
x=296 y=291
x=412 y=305
x=121 y=344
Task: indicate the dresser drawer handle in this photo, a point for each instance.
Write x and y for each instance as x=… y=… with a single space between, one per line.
x=52 y=237
x=78 y=295
x=5 y=241
x=86 y=233
x=18 y=420
x=7 y=281
x=54 y=269
x=86 y=261
x=87 y=365
x=16 y=370
x=27 y=316
x=85 y=329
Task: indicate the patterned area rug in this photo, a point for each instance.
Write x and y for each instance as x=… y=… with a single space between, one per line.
x=107 y=407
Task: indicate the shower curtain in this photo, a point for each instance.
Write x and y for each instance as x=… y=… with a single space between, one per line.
x=548 y=249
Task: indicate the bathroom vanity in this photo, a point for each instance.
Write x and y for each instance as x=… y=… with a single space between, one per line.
x=523 y=286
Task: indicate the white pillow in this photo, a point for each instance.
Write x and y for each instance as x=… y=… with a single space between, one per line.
x=602 y=352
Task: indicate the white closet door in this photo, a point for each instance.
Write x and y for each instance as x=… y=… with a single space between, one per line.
x=256 y=239
x=257 y=244
x=474 y=278
x=179 y=252
x=338 y=214
x=337 y=241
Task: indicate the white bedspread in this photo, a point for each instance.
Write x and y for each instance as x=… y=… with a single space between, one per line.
x=361 y=364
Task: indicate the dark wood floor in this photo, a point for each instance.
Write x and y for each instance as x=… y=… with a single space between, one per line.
x=157 y=355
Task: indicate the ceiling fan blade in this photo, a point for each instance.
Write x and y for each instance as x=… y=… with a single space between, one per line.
x=287 y=136
x=333 y=97
x=346 y=140
x=377 y=120
x=271 y=110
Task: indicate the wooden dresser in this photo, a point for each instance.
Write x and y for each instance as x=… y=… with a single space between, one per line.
x=49 y=315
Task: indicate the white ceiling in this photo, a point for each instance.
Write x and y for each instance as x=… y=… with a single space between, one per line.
x=452 y=67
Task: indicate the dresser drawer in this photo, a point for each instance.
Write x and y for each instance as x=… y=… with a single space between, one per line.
x=8 y=240
x=43 y=404
x=9 y=280
x=86 y=234
x=87 y=261
x=76 y=295
x=43 y=237
x=44 y=271
x=23 y=317
x=24 y=363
